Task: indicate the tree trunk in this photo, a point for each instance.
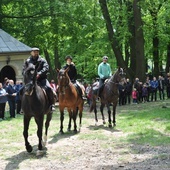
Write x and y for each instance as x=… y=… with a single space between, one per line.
x=139 y=41
x=111 y=36
x=156 y=56
x=131 y=29
x=168 y=59
x=51 y=71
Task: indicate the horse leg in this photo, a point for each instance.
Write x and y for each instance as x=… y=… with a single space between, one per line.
x=25 y=133
x=114 y=114
x=74 y=114
x=80 y=115
x=47 y=123
x=109 y=115
x=70 y=117
x=61 y=121
x=101 y=110
x=95 y=114
x=39 y=122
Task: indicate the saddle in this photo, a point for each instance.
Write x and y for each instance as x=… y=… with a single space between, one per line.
x=78 y=88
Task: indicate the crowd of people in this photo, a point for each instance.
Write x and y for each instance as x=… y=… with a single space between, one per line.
x=9 y=94
x=152 y=89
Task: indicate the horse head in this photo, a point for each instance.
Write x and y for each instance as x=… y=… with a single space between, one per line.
x=30 y=78
x=119 y=75
x=63 y=79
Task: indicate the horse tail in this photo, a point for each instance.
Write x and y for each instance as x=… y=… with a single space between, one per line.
x=92 y=102
x=91 y=106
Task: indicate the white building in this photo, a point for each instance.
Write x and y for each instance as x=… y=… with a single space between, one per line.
x=13 y=54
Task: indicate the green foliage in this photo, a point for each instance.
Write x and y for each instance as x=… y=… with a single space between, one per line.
x=77 y=28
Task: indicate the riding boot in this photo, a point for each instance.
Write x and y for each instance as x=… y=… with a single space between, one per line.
x=51 y=97
x=21 y=90
x=99 y=92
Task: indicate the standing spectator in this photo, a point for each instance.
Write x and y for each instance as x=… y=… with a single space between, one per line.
x=5 y=83
x=121 y=94
x=137 y=87
x=168 y=85
x=140 y=92
x=3 y=100
x=154 y=87
x=135 y=96
x=148 y=84
x=53 y=86
x=144 y=93
x=128 y=91
x=11 y=98
x=87 y=91
x=161 y=84
x=18 y=86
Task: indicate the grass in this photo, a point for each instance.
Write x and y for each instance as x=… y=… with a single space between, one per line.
x=150 y=126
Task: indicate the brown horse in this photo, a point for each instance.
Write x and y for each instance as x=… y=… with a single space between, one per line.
x=35 y=104
x=69 y=98
x=109 y=95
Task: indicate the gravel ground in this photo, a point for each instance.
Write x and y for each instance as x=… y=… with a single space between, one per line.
x=67 y=152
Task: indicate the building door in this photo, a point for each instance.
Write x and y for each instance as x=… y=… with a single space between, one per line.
x=8 y=72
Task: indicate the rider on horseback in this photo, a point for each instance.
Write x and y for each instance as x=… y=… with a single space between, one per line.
x=42 y=70
x=104 y=72
x=72 y=73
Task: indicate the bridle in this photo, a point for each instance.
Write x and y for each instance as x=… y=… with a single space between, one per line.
x=63 y=86
x=120 y=73
x=30 y=72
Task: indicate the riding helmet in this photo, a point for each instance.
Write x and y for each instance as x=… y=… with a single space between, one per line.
x=68 y=57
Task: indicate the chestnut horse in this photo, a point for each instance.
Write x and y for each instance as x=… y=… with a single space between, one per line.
x=109 y=95
x=70 y=98
x=34 y=104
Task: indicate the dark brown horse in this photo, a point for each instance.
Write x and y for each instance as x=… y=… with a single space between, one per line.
x=35 y=104
x=69 y=98
x=109 y=95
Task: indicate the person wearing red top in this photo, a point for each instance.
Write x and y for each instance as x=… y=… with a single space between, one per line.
x=134 y=96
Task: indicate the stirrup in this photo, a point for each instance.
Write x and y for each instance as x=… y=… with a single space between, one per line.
x=52 y=107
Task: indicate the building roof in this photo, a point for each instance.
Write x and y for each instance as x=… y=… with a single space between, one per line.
x=9 y=44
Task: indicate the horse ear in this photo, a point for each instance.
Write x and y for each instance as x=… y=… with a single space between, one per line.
x=118 y=68
x=67 y=69
x=57 y=70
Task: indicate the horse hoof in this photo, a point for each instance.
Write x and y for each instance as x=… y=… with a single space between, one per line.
x=45 y=141
x=61 y=132
x=75 y=131
x=104 y=122
x=68 y=129
x=40 y=153
x=110 y=126
x=29 y=148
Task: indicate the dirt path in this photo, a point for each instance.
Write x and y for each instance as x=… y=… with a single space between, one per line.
x=70 y=151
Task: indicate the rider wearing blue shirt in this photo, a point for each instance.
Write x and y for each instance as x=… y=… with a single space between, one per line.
x=104 y=72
